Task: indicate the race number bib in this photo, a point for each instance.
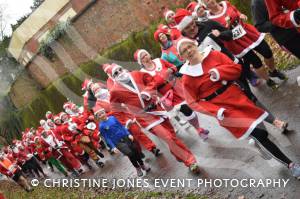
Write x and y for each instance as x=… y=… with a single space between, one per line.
x=209 y=42
x=238 y=32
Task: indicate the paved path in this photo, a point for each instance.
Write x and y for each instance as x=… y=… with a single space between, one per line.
x=223 y=157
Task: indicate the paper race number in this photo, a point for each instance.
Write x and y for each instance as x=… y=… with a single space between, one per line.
x=238 y=32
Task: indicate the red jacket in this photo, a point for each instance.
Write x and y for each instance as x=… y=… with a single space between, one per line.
x=277 y=14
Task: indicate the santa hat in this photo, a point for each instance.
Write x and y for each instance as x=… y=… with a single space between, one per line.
x=49 y=115
x=183 y=18
x=184 y=40
x=107 y=68
x=61 y=114
x=167 y=13
x=67 y=105
x=98 y=109
x=86 y=84
x=56 y=117
x=158 y=32
x=138 y=54
x=42 y=122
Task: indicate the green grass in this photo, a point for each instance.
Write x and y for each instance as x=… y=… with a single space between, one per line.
x=12 y=191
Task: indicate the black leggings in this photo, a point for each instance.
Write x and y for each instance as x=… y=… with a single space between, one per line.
x=263 y=49
x=129 y=148
x=293 y=45
x=261 y=138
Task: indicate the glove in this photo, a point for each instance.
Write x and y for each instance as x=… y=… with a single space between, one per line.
x=297 y=16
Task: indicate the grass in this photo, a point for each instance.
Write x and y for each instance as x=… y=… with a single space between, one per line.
x=13 y=191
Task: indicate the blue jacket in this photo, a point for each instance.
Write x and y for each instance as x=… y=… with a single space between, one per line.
x=113 y=131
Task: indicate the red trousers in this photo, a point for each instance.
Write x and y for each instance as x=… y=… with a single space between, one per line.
x=166 y=132
x=140 y=137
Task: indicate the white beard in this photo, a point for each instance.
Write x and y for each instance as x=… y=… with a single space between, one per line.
x=123 y=77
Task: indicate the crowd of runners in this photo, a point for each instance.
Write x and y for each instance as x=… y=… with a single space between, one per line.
x=209 y=61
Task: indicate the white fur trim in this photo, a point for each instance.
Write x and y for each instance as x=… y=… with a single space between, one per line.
x=197 y=8
x=253 y=45
x=223 y=3
x=168 y=13
x=191 y=116
x=254 y=124
x=128 y=122
x=236 y=60
x=139 y=60
x=293 y=20
x=214 y=79
x=220 y=114
x=157 y=122
x=183 y=40
x=185 y=22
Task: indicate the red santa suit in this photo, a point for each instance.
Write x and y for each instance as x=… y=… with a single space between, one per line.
x=60 y=150
x=232 y=108
x=245 y=36
x=281 y=12
x=131 y=96
x=126 y=119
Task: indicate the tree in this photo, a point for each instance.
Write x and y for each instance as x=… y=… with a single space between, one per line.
x=3 y=19
x=36 y=4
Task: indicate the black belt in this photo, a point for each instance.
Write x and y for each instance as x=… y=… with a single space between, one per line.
x=217 y=92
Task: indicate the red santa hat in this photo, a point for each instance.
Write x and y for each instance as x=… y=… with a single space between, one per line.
x=158 y=32
x=56 y=117
x=167 y=13
x=98 y=109
x=107 y=68
x=184 y=40
x=49 y=115
x=138 y=55
x=61 y=114
x=67 y=105
x=86 y=84
x=183 y=18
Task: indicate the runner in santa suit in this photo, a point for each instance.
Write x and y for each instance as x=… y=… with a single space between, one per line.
x=214 y=93
x=198 y=10
x=128 y=89
x=68 y=137
x=61 y=151
x=13 y=171
x=285 y=19
x=171 y=25
x=8 y=153
x=46 y=155
x=246 y=39
x=169 y=88
x=128 y=120
x=168 y=49
x=201 y=33
x=27 y=161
